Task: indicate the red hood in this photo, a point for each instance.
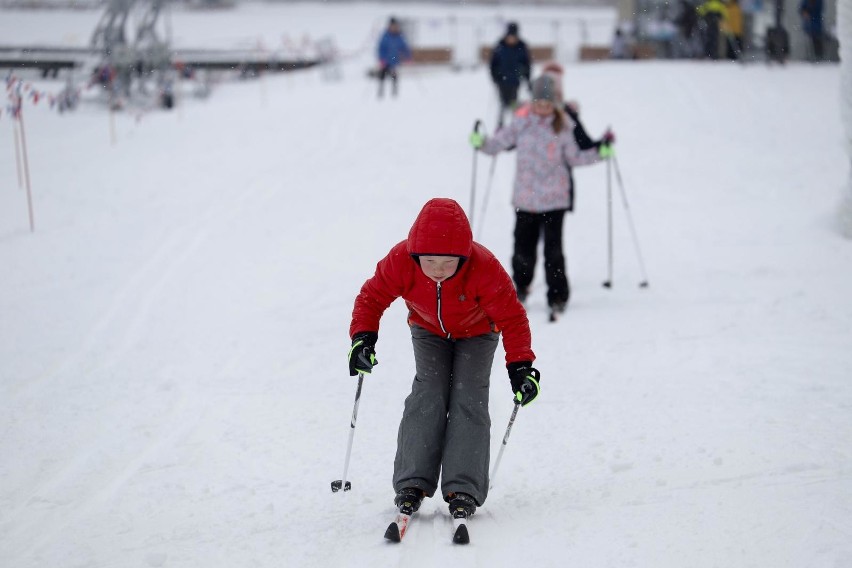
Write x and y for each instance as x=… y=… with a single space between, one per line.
x=441 y=229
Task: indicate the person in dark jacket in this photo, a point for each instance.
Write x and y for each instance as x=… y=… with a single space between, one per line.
x=712 y=13
x=811 y=13
x=393 y=50
x=510 y=65
x=460 y=300
x=686 y=22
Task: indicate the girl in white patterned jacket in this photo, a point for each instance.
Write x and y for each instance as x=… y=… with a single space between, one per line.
x=543 y=137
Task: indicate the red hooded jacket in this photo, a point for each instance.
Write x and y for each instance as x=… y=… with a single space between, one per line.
x=477 y=299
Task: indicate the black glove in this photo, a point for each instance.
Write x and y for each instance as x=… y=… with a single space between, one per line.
x=525 y=381
x=362 y=354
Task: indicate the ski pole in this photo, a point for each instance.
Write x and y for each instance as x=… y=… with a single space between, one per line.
x=339 y=484
x=503 y=446
x=608 y=282
x=473 y=178
x=488 y=184
x=644 y=282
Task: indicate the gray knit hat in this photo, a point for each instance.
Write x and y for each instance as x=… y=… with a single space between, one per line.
x=544 y=89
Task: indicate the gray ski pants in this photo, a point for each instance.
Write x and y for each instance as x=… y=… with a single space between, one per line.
x=445 y=427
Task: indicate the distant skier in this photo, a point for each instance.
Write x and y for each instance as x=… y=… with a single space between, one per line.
x=510 y=65
x=459 y=300
x=393 y=50
x=812 y=25
x=547 y=149
x=712 y=13
x=687 y=23
x=581 y=136
x=732 y=29
x=621 y=48
x=572 y=109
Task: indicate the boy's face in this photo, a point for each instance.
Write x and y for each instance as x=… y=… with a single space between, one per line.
x=439 y=268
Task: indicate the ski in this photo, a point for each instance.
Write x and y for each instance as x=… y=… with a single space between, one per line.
x=397 y=529
x=462 y=506
x=460 y=534
x=408 y=500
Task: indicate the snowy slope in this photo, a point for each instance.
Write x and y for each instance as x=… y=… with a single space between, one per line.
x=173 y=386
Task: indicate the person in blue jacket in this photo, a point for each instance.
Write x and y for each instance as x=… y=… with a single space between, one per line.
x=510 y=64
x=393 y=50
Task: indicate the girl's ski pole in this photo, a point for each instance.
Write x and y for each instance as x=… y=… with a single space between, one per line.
x=644 y=282
x=608 y=282
x=473 y=177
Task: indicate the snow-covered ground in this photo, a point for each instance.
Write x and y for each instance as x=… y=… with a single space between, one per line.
x=173 y=382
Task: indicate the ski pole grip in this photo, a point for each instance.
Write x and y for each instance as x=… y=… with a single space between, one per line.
x=476 y=125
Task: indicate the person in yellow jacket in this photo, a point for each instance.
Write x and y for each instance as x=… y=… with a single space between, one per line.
x=732 y=28
x=712 y=14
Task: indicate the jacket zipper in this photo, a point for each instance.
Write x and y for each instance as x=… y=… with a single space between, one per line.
x=441 y=321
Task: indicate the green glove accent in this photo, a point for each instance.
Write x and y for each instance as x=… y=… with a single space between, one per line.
x=606 y=151
x=476 y=140
x=526 y=395
x=524 y=380
x=362 y=354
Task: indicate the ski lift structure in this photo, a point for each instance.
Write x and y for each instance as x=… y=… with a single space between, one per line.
x=141 y=63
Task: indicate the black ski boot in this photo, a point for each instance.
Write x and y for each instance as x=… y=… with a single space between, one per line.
x=462 y=505
x=408 y=500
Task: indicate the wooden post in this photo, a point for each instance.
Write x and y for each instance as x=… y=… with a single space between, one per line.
x=263 y=96
x=26 y=168
x=18 y=167
x=260 y=62
x=111 y=124
x=178 y=96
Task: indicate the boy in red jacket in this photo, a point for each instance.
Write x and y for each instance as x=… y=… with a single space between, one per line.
x=459 y=299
